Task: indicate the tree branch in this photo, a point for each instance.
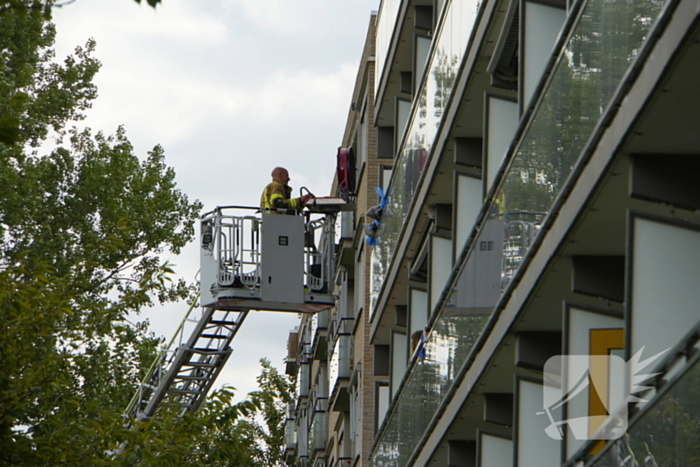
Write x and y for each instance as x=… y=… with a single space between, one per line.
x=35 y=6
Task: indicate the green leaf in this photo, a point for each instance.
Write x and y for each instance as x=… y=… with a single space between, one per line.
x=152 y=3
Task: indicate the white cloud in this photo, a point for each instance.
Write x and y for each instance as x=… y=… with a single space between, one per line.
x=132 y=25
x=180 y=23
x=172 y=108
x=301 y=95
x=231 y=88
x=283 y=16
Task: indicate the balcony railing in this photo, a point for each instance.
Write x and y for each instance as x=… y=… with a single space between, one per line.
x=303 y=379
x=290 y=434
x=386 y=23
x=339 y=364
x=320 y=404
x=605 y=38
x=665 y=425
x=318 y=433
x=428 y=109
x=318 y=327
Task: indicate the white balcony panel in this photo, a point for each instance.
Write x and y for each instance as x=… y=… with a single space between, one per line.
x=542 y=26
x=664 y=285
x=530 y=429
x=398 y=360
x=495 y=451
x=418 y=311
x=440 y=267
x=468 y=203
x=502 y=120
x=386 y=22
x=580 y=324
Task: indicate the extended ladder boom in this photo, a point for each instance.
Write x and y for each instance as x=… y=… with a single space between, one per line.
x=183 y=372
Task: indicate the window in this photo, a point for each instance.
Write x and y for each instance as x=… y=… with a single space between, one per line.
x=360 y=281
x=356 y=419
x=403 y=109
x=360 y=145
x=385 y=177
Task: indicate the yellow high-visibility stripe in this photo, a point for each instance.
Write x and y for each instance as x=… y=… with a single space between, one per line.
x=269 y=202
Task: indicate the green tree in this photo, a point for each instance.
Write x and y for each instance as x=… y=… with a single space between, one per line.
x=247 y=434
x=83 y=228
x=82 y=231
x=37 y=95
x=275 y=394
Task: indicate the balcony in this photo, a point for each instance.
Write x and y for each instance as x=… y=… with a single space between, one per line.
x=320 y=404
x=303 y=380
x=543 y=142
x=290 y=362
x=339 y=373
x=290 y=437
x=398 y=25
x=318 y=433
x=319 y=331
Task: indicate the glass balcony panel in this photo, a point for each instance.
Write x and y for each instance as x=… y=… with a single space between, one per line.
x=346 y=325
x=318 y=433
x=428 y=109
x=339 y=363
x=319 y=322
x=320 y=404
x=303 y=378
x=290 y=434
x=388 y=12
x=313 y=327
x=302 y=438
x=448 y=346
x=605 y=42
x=323 y=319
x=667 y=433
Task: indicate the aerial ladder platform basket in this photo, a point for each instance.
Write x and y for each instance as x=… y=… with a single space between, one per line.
x=249 y=261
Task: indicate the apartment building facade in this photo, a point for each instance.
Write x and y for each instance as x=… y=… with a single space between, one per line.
x=332 y=421
x=540 y=161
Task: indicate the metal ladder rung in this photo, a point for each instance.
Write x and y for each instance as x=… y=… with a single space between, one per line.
x=204 y=350
x=189 y=384
x=220 y=322
x=188 y=373
x=175 y=404
x=193 y=378
x=214 y=336
x=200 y=364
x=183 y=391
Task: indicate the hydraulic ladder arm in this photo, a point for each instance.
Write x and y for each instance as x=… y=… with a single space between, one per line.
x=184 y=371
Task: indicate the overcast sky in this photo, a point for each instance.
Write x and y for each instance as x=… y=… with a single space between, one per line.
x=230 y=89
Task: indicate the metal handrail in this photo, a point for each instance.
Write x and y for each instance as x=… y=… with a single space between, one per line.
x=160 y=358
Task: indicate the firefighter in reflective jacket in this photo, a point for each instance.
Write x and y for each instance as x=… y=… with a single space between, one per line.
x=276 y=195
